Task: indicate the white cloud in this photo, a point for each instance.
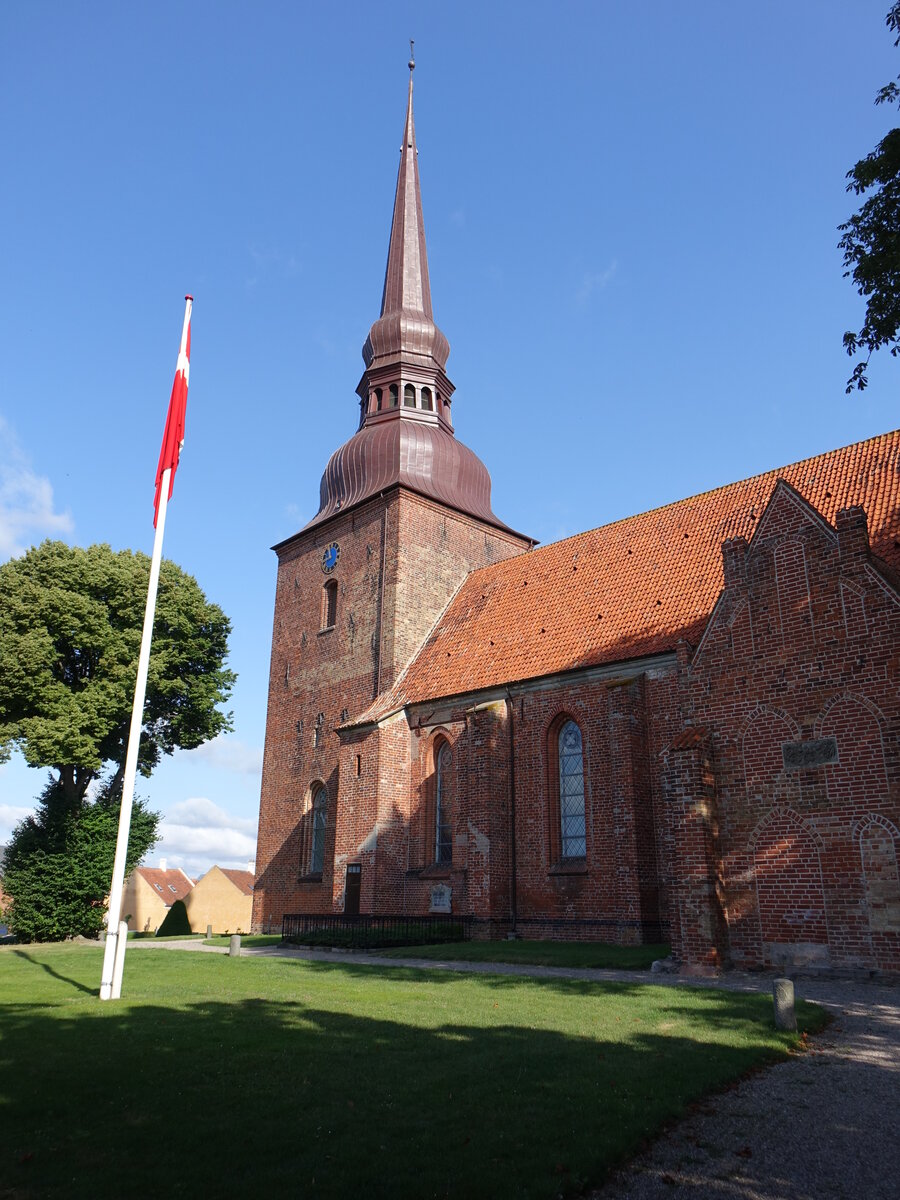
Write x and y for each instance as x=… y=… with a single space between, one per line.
x=10 y=815
x=27 y=513
x=195 y=834
x=228 y=754
x=200 y=813
x=594 y=281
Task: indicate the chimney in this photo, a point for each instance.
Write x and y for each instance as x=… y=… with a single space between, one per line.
x=853 y=537
x=163 y=863
x=251 y=866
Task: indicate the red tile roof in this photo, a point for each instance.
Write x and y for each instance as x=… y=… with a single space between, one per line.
x=169 y=885
x=632 y=588
x=242 y=880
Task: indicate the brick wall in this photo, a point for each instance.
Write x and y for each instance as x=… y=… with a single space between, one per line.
x=804 y=650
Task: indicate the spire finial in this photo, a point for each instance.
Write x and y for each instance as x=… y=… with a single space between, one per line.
x=412 y=55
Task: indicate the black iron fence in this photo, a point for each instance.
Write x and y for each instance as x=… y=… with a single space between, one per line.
x=335 y=929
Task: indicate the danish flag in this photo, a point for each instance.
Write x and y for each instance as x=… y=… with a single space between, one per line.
x=173 y=437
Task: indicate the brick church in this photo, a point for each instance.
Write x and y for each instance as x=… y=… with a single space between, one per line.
x=684 y=725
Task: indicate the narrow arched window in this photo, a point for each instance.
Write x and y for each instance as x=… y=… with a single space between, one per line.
x=329 y=604
x=317 y=856
x=443 y=851
x=426 y=400
x=317 y=851
x=378 y=398
x=409 y=396
x=395 y=395
x=573 y=842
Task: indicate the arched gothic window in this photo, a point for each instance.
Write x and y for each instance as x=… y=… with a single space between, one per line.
x=426 y=400
x=443 y=849
x=409 y=396
x=378 y=397
x=317 y=849
x=572 y=836
x=395 y=395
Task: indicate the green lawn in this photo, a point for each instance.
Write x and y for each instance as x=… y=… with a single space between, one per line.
x=233 y=1077
x=544 y=954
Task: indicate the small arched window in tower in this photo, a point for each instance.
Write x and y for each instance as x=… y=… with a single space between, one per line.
x=378 y=399
x=443 y=851
x=317 y=849
x=329 y=604
x=572 y=836
x=409 y=396
x=426 y=400
x=395 y=394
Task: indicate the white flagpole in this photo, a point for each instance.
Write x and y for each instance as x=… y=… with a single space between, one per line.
x=114 y=951
x=134 y=741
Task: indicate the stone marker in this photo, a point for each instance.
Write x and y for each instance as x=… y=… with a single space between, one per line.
x=234 y=948
x=209 y=931
x=783 y=995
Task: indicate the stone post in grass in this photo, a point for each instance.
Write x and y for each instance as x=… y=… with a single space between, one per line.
x=783 y=996
x=209 y=931
x=234 y=946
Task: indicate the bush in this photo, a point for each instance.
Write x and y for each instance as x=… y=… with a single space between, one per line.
x=59 y=863
x=176 y=921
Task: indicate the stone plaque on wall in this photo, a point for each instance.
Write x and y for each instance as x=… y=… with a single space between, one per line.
x=805 y=756
x=440 y=898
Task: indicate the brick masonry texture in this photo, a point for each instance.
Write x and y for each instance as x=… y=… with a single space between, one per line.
x=741 y=747
x=401 y=558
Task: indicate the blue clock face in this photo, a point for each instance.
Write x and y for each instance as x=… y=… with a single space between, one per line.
x=330 y=558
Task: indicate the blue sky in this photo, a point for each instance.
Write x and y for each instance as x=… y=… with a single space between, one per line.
x=631 y=214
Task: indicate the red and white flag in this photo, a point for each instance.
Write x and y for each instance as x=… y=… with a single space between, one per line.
x=173 y=437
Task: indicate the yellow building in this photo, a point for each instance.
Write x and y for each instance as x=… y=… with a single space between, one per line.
x=149 y=894
x=223 y=899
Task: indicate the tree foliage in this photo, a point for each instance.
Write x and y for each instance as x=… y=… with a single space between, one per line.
x=59 y=863
x=871 y=239
x=70 y=633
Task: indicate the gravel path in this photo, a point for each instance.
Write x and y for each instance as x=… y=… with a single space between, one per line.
x=824 y=1125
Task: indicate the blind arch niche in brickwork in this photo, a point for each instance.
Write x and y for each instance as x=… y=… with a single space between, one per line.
x=878 y=839
x=856 y=725
x=789 y=889
x=762 y=737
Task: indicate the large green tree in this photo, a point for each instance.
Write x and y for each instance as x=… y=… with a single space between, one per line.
x=70 y=633
x=871 y=239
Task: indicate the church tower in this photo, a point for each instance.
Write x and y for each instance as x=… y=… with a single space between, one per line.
x=404 y=515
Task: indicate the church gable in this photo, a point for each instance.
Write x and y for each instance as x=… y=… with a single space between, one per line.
x=797 y=584
x=797 y=680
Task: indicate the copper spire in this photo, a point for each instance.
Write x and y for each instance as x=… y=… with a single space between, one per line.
x=405 y=436
x=406 y=329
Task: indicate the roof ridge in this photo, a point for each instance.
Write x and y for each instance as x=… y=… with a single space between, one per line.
x=776 y=471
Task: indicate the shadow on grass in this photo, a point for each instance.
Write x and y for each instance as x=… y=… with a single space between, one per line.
x=43 y=966
x=709 y=999
x=296 y=1098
